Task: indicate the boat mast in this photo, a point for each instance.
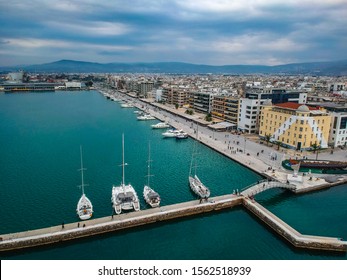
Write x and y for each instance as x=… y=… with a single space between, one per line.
x=149 y=163
x=194 y=152
x=82 y=170
x=123 y=179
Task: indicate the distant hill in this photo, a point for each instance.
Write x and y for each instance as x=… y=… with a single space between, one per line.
x=335 y=68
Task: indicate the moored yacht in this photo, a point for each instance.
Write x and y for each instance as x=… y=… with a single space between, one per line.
x=145 y=117
x=150 y=196
x=160 y=125
x=84 y=206
x=171 y=133
x=124 y=196
x=182 y=135
x=194 y=182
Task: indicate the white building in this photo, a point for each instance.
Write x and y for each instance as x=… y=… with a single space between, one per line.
x=250 y=106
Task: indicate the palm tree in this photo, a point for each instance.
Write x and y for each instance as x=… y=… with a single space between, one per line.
x=315 y=147
x=278 y=143
x=267 y=138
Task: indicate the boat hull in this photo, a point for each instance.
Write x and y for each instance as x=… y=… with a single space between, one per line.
x=84 y=208
x=124 y=197
x=198 y=187
x=151 y=197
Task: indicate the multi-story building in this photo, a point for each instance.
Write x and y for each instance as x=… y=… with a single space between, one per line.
x=144 y=87
x=250 y=105
x=295 y=126
x=338 y=127
x=202 y=102
x=175 y=96
x=225 y=108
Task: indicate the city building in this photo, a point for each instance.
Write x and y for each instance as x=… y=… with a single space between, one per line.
x=295 y=126
x=202 y=102
x=338 y=127
x=225 y=108
x=250 y=105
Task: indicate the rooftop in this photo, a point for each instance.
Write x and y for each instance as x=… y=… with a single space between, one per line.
x=294 y=106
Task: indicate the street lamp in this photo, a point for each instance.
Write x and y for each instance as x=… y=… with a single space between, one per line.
x=244 y=150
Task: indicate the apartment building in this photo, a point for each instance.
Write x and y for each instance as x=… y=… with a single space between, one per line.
x=225 y=108
x=202 y=102
x=175 y=95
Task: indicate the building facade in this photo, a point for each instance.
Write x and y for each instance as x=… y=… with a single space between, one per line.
x=250 y=106
x=202 y=102
x=225 y=108
x=295 y=126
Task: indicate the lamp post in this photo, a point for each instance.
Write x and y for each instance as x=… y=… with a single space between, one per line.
x=244 y=150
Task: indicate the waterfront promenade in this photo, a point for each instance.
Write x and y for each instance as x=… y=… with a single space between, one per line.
x=263 y=159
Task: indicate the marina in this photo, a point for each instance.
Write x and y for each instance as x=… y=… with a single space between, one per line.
x=164 y=194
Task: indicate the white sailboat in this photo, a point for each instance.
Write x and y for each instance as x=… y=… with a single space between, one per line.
x=150 y=196
x=194 y=182
x=124 y=197
x=84 y=206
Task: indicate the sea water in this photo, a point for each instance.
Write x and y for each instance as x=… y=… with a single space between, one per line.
x=40 y=136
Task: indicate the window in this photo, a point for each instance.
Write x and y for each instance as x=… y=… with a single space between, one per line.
x=302 y=122
x=300 y=129
x=300 y=136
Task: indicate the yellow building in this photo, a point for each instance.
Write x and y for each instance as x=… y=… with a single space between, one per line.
x=294 y=125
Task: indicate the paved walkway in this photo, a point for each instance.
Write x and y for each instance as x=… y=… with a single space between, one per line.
x=245 y=149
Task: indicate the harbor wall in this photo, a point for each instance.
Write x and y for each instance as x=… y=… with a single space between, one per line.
x=133 y=219
x=291 y=235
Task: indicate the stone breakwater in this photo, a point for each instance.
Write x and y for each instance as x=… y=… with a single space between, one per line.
x=108 y=224
x=291 y=235
x=104 y=225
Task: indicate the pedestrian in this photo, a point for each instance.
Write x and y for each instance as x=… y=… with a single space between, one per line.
x=62 y=225
x=84 y=225
x=112 y=216
x=78 y=225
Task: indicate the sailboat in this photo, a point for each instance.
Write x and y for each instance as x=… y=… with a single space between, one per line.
x=150 y=196
x=84 y=206
x=194 y=182
x=124 y=196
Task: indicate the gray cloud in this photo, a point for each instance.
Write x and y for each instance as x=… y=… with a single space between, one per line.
x=198 y=31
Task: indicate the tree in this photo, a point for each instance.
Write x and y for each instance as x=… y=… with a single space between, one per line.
x=267 y=138
x=208 y=117
x=189 y=112
x=278 y=143
x=89 y=84
x=176 y=106
x=315 y=147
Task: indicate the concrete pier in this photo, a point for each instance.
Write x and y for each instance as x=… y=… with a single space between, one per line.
x=294 y=237
x=98 y=226
x=71 y=231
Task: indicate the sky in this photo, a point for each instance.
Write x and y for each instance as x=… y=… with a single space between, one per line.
x=214 y=32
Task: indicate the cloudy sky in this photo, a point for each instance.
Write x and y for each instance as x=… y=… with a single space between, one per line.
x=215 y=32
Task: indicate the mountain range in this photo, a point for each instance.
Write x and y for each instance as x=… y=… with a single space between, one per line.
x=333 y=68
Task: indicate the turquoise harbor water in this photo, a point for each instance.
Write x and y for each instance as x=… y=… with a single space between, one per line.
x=40 y=135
